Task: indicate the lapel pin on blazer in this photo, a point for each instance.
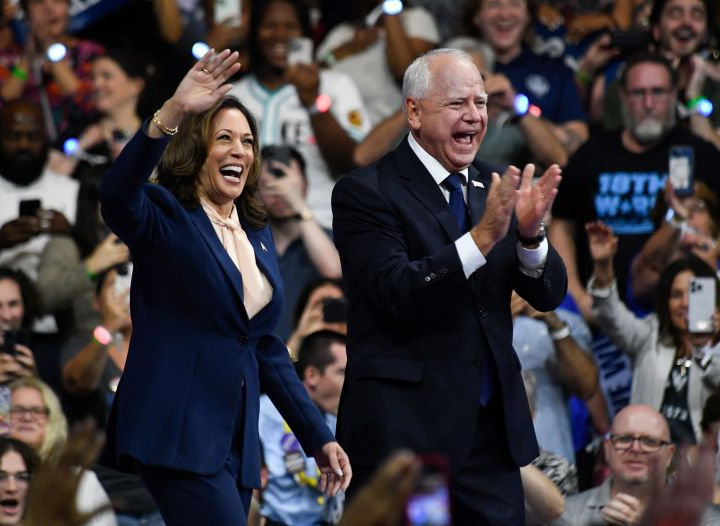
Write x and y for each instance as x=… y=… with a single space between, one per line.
x=478 y=184
x=263 y=247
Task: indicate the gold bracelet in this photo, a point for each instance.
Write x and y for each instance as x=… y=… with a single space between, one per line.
x=164 y=129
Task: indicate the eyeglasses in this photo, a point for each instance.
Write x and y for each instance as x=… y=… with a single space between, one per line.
x=647 y=444
x=656 y=94
x=36 y=412
x=21 y=478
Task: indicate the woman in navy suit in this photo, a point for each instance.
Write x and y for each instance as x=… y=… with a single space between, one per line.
x=205 y=296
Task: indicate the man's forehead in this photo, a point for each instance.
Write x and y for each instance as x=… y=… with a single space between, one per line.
x=639 y=423
x=683 y=3
x=648 y=71
x=24 y=116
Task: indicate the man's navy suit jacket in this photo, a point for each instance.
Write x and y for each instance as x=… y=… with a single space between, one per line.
x=193 y=372
x=418 y=329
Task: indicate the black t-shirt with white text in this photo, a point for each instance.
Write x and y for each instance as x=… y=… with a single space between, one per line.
x=604 y=181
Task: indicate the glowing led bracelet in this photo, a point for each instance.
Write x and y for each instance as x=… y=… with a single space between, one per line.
x=56 y=52
x=392 y=7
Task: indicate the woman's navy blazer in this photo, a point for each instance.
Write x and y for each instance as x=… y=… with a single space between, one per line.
x=196 y=362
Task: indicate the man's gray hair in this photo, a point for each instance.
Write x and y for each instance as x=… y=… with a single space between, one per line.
x=416 y=81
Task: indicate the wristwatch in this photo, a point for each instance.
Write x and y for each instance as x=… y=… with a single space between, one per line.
x=533 y=240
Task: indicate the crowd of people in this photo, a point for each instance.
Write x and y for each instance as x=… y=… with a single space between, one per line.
x=195 y=246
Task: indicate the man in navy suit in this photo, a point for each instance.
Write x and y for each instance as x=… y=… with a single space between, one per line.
x=432 y=245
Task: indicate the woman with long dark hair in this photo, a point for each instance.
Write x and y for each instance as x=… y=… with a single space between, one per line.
x=674 y=370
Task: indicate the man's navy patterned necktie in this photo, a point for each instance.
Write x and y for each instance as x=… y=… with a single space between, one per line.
x=460 y=212
x=457 y=201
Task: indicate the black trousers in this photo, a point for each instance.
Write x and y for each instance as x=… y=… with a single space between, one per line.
x=487 y=490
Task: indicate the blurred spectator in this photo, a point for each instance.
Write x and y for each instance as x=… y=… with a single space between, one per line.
x=638 y=451
x=155 y=36
x=318 y=112
x=230 y=34
x=543 y=500
x=692 y=229
x=292 y=495
x=555 y=467
x=674 y=370
x=57 y=78
x=92 y=362
x=18 y=463
x=17 y=304
x=375 y=51
x=118 y=80
x=55 y=487
x=382 y=500
x=71 y=265
x=680 y=31
x=310 y=311
x=584 y=18
x=547 y=83
x=616 y=176
x=710 y=425
x=305 y=249
x=37 y=420
x=23 y=176
x=555 y=347
x=447 y=15
x=384 y=137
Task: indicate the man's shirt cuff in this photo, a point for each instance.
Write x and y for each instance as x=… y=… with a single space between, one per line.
x=533 y=260
x=469 y=253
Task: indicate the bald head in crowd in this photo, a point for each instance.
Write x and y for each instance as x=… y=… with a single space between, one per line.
x=23 y=142
x=646 y=432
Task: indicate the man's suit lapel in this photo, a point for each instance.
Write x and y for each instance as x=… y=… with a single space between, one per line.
x=420 y=183
x=477 y=191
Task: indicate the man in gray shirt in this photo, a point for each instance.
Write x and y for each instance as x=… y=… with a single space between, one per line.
x=639 y=437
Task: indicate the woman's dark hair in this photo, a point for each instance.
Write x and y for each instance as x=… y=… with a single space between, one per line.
x=31 y=302
x=87 y=231
x=698 y=268
x=259 y=9
x=31 y=459
x=136 y=64
x=185 y=155
x=307 y=291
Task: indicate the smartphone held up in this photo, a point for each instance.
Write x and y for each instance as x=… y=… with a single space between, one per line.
x=429 y=503
x=701 y=305
x=300 y=51
x=681 y=164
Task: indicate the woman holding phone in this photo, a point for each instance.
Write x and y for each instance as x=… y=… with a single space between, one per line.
x=206 y=294
x=674 y=370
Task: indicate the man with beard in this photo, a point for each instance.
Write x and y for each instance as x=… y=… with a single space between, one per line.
x=638 y=450
x=305 y=249
x=680 y=29
x=615 y=176
x=23 y=177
